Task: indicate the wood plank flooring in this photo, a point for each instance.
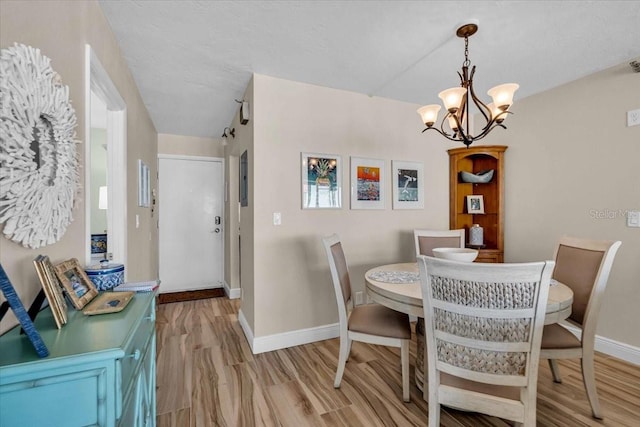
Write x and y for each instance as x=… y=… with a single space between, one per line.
x=207 y=376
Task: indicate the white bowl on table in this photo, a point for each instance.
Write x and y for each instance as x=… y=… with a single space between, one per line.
x=456 y=254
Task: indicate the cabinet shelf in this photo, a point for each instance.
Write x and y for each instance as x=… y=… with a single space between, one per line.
x=476 y=160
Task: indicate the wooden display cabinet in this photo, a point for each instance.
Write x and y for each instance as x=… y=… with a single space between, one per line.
x=475 y=160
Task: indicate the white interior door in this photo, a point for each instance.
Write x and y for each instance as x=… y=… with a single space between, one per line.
x=191 y=194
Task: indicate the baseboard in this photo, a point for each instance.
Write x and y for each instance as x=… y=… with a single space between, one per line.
x=248 y=333
x=232 y=293
x=286 y=339
x=617 y=349
x=604 y=345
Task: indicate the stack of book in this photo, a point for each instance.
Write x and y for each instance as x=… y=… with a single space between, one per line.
x=148 y=286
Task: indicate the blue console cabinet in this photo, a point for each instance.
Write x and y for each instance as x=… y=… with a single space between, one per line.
x=100 y=371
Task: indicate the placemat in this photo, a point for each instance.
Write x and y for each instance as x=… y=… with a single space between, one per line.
x=395 y=276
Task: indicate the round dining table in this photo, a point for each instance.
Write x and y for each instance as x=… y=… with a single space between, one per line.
x=397 y=286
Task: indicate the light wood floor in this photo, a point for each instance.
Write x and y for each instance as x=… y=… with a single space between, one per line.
x=207 y=376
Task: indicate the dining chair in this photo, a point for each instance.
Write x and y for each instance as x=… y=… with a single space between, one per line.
x=426 y=240
x=583 y=265
x=484 y=327
x=370 y=323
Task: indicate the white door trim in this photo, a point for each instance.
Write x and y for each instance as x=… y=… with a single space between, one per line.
x=97 y=80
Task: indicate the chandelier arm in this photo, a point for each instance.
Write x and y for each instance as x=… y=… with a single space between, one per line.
x=482 y=107
x=443 y=132
x=446 y=135
x=487 y=131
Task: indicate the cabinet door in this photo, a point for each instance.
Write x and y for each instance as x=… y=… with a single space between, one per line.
x=140 y=409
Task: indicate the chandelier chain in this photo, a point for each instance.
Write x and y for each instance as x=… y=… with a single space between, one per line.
x=466 y=52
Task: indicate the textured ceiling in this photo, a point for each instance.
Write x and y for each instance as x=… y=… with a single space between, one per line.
x=191 y=59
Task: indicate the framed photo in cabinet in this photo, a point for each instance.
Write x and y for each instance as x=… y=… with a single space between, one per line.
x=475 y=204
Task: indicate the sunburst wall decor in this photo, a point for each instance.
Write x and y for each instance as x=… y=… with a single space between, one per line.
x=39 y=177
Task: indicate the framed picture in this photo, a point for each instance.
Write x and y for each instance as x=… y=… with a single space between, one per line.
x=321 y=181
x=76 y=283
x=144 y=185
x=475 y=204
x=52 y=290
x=408 y=187
x=108 y=302
x=21 y=314
x=367 y=183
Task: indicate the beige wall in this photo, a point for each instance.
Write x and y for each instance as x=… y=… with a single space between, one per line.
x=572 y=158
x=60 y=29
x=239 y=230
x=292 y=288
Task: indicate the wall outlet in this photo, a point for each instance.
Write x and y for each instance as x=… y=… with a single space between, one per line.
x=633 y=219
x=277 y=218
x=359 y=296
x=633 y=118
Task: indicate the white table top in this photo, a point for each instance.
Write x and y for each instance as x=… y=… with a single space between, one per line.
x=407 y=297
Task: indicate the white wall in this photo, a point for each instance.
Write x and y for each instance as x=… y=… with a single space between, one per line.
x=98 y=179
x=189 y=145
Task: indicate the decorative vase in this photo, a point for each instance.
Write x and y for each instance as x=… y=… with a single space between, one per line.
x=106 y=277
x=476 y=235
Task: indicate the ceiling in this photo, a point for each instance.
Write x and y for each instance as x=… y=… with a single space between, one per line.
x=192 y=59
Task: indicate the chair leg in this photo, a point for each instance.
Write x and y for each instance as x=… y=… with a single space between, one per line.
x=434 y=413
x=404 y=360
x=589 y=379
x=345 y=347
x=555 y=371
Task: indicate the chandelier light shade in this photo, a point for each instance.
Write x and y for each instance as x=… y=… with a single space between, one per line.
x=458 y=100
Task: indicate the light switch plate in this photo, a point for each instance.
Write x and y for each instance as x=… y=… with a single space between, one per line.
x=277 y=218
x=633 y=118
x=633 y=219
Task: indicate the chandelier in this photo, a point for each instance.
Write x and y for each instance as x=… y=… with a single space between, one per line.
x=457 y=101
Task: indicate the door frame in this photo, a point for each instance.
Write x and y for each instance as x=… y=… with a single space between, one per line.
x=97 y=80
x=223 y=193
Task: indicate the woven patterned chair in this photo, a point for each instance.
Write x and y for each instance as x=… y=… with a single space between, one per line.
x=371 y=323
x=583 y=265
x=483 y=326
x=426 y=240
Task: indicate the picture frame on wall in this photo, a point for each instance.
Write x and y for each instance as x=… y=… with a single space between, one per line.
x=408 y=184
x=321 y=176
x=144 y=185
x=475 y=204
x=367 y=183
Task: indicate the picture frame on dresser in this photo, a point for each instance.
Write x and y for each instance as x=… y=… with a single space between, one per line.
x=52 y=290
x=13 y=301
x=79 y=288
